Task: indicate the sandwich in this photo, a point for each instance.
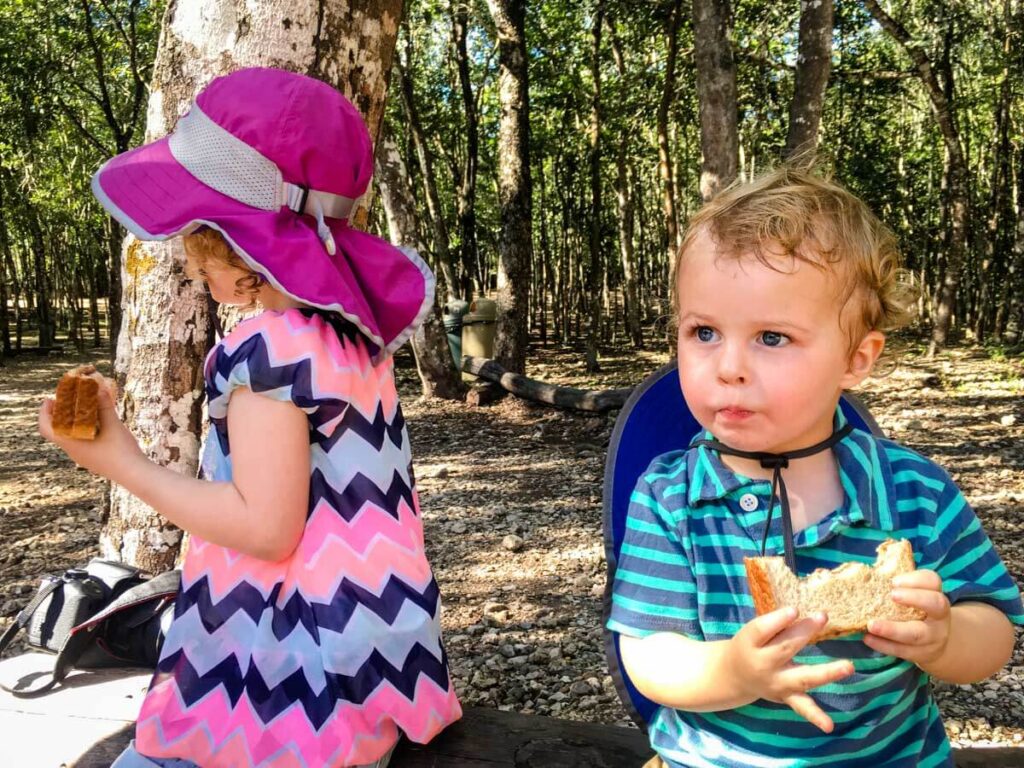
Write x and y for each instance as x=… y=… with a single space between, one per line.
x=852 y=594
x=76 y=411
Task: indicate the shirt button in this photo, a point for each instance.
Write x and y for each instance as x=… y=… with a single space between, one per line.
x=748 y=502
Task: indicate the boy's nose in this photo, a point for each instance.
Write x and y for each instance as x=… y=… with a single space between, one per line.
x=732 y=365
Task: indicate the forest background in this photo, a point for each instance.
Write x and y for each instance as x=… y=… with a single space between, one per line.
x=555 y=150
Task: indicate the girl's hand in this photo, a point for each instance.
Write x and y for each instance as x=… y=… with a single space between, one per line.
x=921 y=642
x=114 y=446
x=761 y=658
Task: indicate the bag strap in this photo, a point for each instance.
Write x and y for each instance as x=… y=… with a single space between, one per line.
x=25 y=615
x=160 y=587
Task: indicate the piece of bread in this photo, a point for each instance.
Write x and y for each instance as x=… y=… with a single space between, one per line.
x=76 y=412
x=852 y=594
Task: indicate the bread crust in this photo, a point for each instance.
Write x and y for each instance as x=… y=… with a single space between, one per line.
x=760 y=586
x=76 y=410
x=894 y=557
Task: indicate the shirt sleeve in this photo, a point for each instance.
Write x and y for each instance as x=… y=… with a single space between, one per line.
x=963 y=556
x=654 y=589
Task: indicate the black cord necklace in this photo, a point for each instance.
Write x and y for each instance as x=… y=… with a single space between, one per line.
x=778 y=462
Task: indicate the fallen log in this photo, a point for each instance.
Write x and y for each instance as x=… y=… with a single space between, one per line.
x=541 y=392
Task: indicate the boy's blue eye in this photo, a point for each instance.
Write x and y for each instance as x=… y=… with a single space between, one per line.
x=704 y=333
x=774 y=339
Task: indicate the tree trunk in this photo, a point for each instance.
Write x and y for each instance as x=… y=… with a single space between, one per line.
x=465 y=194
x=5 y=259
x=438 y=376
x=664 y=150
x=163 y=336
x=436 y=212
x=813 y=62
x=44 y=311
x=993 y=273
x=716 y=95
x=595 y=269
x=626 y=215
x=515 y=247
x=959 y=174
x=115 y=239
x=94 y=303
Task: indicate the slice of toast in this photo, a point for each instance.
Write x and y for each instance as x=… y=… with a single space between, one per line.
x=852 y=594
x=76 y=411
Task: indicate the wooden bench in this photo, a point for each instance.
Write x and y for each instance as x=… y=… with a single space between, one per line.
x=88 y=721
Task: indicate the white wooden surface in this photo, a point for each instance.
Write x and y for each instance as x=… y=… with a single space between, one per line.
x=83 y=723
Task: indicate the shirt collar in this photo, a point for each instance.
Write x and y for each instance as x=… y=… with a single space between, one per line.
x=864 y=472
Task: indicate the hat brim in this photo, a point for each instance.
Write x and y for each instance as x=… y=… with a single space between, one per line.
x=385 y=291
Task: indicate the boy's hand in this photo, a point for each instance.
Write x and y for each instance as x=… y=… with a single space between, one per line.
x=761 y=658
x=113 y=447
x=921 y=642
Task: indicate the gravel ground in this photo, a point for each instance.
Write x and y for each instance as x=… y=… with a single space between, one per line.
x=511 y=498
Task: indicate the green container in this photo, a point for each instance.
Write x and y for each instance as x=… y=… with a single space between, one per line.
x=478 y=327
x=452 y=318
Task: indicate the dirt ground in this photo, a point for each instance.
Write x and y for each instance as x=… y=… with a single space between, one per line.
x=511 y=497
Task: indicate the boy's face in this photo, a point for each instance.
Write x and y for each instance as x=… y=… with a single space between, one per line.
x=762 y=357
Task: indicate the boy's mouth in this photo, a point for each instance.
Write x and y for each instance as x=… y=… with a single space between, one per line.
x=734 y=413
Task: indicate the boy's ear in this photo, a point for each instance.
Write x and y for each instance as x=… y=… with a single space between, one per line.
x=863 y=358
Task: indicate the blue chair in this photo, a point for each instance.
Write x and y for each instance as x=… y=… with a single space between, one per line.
x=653 y=421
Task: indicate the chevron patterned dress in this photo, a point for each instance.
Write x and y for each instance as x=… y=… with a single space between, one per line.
x=321 y=659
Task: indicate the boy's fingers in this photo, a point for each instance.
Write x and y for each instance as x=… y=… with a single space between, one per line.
x=934 y=604
x=763 y=628
x=808 y=709
x=919 y=579
x=905 y=632
x=805 y=677
x=791 y=640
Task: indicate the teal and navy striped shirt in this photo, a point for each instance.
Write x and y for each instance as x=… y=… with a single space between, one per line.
x=691 y=522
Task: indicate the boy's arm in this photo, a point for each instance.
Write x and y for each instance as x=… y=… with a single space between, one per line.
x=756 y=663
x=960 y=644
x=980 y=643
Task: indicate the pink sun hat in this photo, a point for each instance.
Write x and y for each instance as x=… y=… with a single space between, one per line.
x=275 y=161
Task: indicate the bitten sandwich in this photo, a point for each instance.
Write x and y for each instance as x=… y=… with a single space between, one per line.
x=852 y=594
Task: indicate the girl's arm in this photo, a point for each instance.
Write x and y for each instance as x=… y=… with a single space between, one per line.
x=260 y=513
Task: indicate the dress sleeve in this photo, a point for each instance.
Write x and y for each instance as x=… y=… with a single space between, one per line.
x=270 y=355
x=963 y=556
x=654 y=588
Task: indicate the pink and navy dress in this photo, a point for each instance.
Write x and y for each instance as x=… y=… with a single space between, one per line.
x=323 y=658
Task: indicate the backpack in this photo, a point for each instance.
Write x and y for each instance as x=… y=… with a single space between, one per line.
x=107 y=614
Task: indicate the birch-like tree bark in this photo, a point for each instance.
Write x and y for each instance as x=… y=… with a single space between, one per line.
x=515 y=247
x=716 y=94
x=438 y=377
x=164 y=335
x=813 y=63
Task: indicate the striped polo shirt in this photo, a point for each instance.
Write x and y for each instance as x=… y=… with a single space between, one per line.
x=690 y=523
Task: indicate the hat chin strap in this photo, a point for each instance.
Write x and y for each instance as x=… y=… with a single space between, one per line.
x=778 y=462
x=225 y=163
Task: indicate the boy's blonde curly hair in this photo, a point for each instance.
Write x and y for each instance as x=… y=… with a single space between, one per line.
x=796 y=212
x=208 y=245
